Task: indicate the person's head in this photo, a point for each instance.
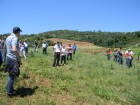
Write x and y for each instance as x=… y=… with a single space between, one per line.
x=129 y=50
x=63 y=46
x=21 y=42
x=60 y=43
x=69 y=45
x=57 y=43
x=74 y=44
x=121 y=48
x=16 y=31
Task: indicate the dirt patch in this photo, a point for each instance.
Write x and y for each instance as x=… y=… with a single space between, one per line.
x=46 y=82
x=66 y=42
x=94 y=52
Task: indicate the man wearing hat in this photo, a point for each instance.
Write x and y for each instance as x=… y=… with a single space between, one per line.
x=13 y=60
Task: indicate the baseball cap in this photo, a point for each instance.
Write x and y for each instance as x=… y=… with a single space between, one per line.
x=17 y=29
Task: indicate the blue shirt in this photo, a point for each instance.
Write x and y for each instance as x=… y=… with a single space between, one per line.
x=74 y=47
x=12 y=40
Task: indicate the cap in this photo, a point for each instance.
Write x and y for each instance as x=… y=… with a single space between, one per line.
x=17 y=29
x=129 y=49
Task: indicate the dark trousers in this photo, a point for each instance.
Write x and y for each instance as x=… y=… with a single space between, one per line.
x=56 y=59
x=69 y=55
x=26 y=50
x=10 y=83
x=120 y=60
x=129 y=63
x=115 y=58
x=108 y=56
x=63 y=58
x=74 y=51
x=44 y=51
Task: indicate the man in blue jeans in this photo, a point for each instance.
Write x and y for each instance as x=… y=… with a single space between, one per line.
x=121 y=53
x=13 y=60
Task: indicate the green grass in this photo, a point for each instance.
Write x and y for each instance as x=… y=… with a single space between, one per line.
x=87 y=80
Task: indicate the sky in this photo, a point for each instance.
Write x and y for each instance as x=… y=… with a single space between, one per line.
x=36 y=16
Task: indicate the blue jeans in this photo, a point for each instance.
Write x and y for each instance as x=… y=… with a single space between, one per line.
x=108 y=56
x=120 y=60
x=10 y=83
x=126 y=61
x=129 y=63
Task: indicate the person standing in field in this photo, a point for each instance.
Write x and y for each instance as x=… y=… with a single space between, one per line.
x=126 y=56
x=74 y=48
x=116 y=55
x=69 y=52
x=35 y=46
x=22 y=49
x=26 y=46
x=13 y=59
x=108 y=54
x=130 y=58
x=56 y=53
x=44 y=46
x=63 y=55
x=121 y=53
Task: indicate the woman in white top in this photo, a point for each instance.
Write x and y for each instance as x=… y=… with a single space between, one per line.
x=63 y=55
x=22 y=49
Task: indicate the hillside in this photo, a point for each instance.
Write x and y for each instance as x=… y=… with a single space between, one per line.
x=105 y=39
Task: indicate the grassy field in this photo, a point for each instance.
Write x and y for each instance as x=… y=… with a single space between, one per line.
x=87 y=80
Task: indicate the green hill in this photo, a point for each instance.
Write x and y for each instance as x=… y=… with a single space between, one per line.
x=105 y=39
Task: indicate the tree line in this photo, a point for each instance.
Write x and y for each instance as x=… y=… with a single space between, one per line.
x=105 y=39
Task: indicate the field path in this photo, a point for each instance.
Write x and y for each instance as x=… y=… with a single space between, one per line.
x=78 y=43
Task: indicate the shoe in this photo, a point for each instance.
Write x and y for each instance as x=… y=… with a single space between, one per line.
x=11 y=95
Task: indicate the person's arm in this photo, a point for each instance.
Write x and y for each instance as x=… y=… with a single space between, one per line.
x=14 y=49
x=53 y=50
x=4 y=47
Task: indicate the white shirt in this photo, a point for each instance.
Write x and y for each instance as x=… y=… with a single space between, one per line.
x=63 y=51
x=44 y=45
x=130 y=54
x=57 y=48
x=25 y=44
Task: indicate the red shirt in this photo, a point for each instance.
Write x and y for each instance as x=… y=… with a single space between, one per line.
x=108 y=52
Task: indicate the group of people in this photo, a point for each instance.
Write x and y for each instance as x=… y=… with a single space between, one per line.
x=62 y=53
x=11 y=51
x=119 y=55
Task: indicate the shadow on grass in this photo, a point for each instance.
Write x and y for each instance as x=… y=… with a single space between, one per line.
x=23 y=92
